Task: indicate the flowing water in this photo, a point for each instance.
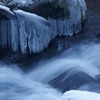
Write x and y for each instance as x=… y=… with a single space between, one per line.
x=77 y=68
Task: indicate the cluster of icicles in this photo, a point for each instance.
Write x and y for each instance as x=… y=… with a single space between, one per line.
x=29 y=32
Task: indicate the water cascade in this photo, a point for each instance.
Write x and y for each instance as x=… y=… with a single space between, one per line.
x=50 y=79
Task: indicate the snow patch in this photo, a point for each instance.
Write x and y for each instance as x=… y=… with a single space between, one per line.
x=4 y=9
x=80 y=95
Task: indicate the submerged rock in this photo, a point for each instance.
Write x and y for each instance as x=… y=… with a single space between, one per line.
x=70 y=80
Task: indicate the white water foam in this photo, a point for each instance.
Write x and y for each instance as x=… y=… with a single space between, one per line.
x=17 y=85
x=84 y=58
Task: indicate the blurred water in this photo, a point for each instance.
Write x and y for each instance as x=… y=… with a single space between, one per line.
x=84 y=57
x=76 y=68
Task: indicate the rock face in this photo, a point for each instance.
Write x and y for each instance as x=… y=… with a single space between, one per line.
x=25 y=31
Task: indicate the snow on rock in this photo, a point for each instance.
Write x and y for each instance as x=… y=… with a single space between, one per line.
x=6 y=11
x=80 y=95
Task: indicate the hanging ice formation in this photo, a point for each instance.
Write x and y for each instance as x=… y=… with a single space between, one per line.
x=29 y=32
x=72 y=24
x=25 y=31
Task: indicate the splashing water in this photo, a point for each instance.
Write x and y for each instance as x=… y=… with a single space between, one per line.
x=83 y=58
x=14 y=85
x=17 y=85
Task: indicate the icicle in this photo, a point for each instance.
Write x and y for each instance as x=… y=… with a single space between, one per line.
x=14 y=35
x=72 y=24
x=8 y=34
x=22 y=35
x=34 y=32
x=3 y=33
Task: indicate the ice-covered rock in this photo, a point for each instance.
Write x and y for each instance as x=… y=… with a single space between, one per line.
x=65 y=16
x=35 y=33
x=72 y=23
x=29 y=32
